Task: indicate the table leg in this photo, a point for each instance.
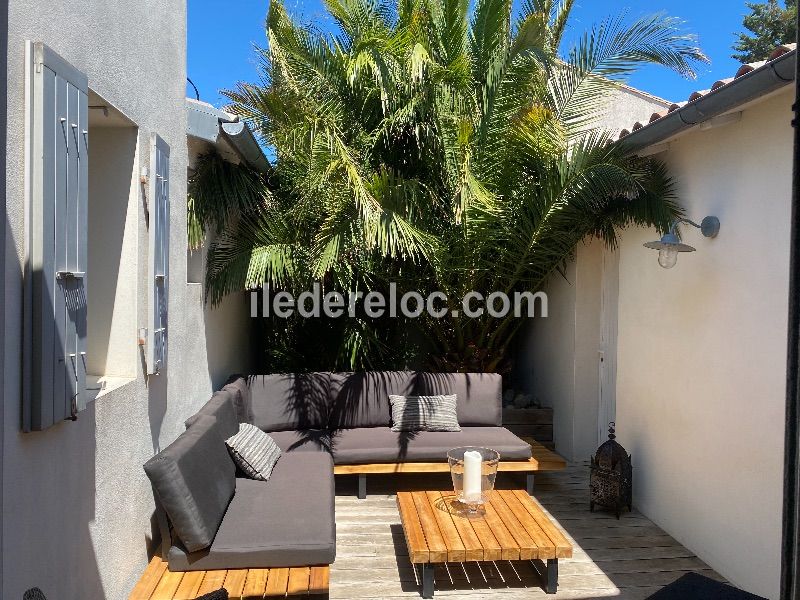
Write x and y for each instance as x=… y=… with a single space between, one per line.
x=552 y=576
x=362 y=487
x=427 y=580
x=529 y=483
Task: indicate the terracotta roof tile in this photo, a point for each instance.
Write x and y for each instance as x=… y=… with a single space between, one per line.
x=721 y=82
x=781 y=50
x=743 y=70
x=697 y=95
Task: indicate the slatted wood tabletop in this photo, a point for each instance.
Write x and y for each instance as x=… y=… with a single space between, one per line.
x=514 y=527
x=158 y=583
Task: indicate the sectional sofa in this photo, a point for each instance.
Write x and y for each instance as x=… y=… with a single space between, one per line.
x=211 y=518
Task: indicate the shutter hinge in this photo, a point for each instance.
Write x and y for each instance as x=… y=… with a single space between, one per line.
x=70 y=274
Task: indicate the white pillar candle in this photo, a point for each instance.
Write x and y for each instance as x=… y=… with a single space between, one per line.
x=472 y=476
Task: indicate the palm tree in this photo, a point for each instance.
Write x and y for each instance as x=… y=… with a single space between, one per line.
x=436 y=146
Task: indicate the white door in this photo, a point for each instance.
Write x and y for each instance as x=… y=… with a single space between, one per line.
x=607 y=354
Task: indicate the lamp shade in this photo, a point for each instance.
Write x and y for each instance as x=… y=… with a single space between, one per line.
x=668 y=248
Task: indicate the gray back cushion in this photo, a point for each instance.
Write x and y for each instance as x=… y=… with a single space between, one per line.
x=479 y=395
x=362 y=399
x=241 y=396
x=290 y=401
x=194 y=478
x=223 y=409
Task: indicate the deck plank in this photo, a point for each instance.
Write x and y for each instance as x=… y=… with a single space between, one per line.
x=149 y=580
x=234 y=583
x=277 y=583
x=190 y=585
x=166 y=588
x=298 y=581
x=256 y=584
x=212 y=582
x=319 y=581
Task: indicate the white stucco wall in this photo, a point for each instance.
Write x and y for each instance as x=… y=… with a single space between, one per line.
x=702 y=350
x=77 y=504
x=558 y=357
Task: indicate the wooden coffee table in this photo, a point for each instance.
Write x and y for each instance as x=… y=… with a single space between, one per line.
x=512 y=527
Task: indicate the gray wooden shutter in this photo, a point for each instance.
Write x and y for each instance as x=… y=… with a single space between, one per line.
x=56 y=221
x=158 y=256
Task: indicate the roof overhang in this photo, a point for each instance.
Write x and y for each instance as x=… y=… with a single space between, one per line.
x=224 y=131
x=747 y=87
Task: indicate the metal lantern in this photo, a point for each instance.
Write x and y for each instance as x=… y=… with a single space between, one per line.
x=611 y=477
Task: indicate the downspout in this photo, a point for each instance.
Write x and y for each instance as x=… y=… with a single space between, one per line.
x=790 y=557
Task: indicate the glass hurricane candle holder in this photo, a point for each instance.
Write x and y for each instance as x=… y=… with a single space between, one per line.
x=473 y=471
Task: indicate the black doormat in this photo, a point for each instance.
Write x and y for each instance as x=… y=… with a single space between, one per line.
x=218 y=595
x=693 y=585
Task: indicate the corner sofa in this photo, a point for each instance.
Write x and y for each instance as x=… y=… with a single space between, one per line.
x=210 y=518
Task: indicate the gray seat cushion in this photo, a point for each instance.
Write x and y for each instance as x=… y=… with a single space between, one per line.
x=290 y=402
x=194 y=478
x=309 y=440
x=362 y=399
x=222 y=408
x=287 y=521
x=479 y=394
x=382 y=445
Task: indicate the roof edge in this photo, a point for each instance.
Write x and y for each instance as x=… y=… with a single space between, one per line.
x=207 y=123
x=726 y=95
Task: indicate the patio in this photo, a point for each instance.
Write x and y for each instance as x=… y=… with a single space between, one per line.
x=630 y=558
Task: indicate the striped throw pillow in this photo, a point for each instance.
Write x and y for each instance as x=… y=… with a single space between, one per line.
x=253 y=451
x=424 y=413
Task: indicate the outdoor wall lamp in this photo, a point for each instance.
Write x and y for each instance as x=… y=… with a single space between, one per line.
x=669 y=245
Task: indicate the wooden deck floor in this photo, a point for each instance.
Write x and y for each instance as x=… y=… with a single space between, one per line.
x=628 y=559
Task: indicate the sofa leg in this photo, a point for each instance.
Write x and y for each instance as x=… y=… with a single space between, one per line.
x=362 y=487
x=529 y=483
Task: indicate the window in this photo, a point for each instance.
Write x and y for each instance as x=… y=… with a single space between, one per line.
x=115 y=194
x=56 y=269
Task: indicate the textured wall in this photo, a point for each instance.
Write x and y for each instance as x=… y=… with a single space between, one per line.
x=702 y=350
x=77 y=504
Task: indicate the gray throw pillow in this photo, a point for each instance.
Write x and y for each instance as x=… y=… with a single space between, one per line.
x=424 y=413
x=253 y=451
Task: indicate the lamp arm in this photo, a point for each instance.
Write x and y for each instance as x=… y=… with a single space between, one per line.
x=674 y=228
x=709 y=226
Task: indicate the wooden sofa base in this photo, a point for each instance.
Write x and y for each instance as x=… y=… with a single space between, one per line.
x=542 y=459
x=159 y=583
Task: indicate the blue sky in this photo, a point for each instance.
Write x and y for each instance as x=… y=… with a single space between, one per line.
x=222 y=35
